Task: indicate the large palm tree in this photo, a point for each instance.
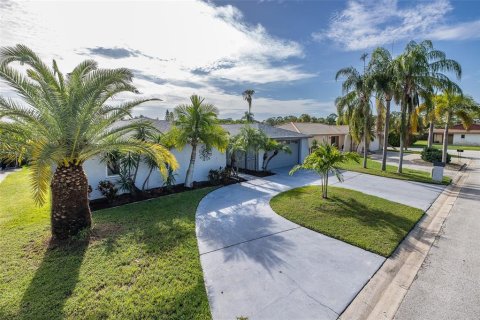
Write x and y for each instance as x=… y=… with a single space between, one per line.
x=354 y=107
x=325 y=160
x=197 y=124
x=381 y=69
x=248 y=96
x=63 y=120
x=450 y=105
x=418 y=72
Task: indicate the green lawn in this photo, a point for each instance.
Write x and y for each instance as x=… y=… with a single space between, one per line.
x=369 y=222
x=141 y=262
x=423 y=143
x=374 y=168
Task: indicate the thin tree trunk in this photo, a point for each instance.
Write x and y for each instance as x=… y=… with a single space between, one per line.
x=430 y=134
x=70 y=208
x=365 y=144
x=402 y=137
x=189 y=177
x=326 y=187
x=264 y=162
x=385 y=136
x=147 y=178
x=445 y=140
x=270 y=159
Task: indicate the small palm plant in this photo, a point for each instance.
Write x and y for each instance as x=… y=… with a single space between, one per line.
x=275 y=148
x=197 y=124
x=325 y=160
x=64 y=120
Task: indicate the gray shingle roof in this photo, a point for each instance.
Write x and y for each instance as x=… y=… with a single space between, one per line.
x=315 y=128
x=271 y=132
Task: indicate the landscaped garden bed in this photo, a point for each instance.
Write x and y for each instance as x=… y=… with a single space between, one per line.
x=126 y=198
x=140 y=261
x=366 y=221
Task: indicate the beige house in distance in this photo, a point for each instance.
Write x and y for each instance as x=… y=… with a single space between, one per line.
x=332 y=134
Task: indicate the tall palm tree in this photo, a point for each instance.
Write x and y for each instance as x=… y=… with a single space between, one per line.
x=418 y=72
x=248 y=96
x=64 y=121
x=449 y=105
x=383 y=76
x=197 y=124
x=325 y=160
x=357 y=88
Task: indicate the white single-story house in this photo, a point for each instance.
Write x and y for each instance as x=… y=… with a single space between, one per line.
x=332 y=134
x=458 y=135
x=297 y=142
x=97 y=170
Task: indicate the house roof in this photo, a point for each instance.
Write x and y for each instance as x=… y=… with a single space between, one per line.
x=161 y=125
x=232 y=129
x=458 y=128
x=315 y=128
x=270 y=131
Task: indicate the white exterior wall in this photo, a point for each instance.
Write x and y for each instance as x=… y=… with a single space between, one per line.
x=471 y=139
x=304 y=149
x=96 y=171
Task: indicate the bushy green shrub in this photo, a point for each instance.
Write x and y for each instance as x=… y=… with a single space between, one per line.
x=108 y=190
x=394 y=139
x=222 y=175
x=433 y=155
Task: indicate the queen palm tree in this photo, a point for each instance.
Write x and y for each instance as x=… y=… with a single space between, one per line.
x=449 y=105
x=248 y=96
x=354 y=107
x=197 y=124
x=418 y=72
x=325 y=160
x=64 y=121
x=383 y=77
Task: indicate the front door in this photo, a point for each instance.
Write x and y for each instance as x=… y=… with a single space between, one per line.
x=334 y=140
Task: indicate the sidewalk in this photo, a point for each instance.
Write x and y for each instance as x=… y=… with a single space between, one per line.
x=448 y=284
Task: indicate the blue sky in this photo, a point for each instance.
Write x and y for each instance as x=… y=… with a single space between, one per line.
x=288 y=51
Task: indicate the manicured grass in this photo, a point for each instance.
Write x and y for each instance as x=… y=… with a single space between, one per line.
x=141 y=261
x=423 y=143
x=375 y=168
x=368 y=222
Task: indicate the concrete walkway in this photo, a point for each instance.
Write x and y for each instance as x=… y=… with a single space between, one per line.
x=259 y=265
x=448 y=284
x=4 y=174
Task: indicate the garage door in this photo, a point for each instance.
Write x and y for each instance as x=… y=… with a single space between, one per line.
x=284 y=159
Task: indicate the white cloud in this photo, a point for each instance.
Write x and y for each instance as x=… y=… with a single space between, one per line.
x=365 y=24
x=166 y=42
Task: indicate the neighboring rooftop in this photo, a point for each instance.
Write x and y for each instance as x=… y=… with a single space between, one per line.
x=458 y=128
x=271 y=132
x=315 y=128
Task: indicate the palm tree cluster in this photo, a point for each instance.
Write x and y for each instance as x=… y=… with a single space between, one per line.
x=253 y=140
x=416 y=80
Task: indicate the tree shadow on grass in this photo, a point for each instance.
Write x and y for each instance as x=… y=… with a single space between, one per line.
x=54 y=281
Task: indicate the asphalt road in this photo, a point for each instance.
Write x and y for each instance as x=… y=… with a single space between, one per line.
x=448 y=284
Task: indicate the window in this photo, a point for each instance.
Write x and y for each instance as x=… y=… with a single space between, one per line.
x=113 y=166
x=462 y=136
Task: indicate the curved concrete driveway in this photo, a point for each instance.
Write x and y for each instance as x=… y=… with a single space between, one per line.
x=259 y=265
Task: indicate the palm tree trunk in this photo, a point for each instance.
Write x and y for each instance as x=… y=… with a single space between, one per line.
x=365 y=144
x=147 y=178
x=430 y=134
x=326 y=187
x=402 y=137
x=70 y=208
x=189 y=177
x=385 y=136
x=445 y=140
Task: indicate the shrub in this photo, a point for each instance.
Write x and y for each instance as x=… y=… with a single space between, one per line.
x=433 y=155
x=394 y=139
x=222 y=175
x=108 y=190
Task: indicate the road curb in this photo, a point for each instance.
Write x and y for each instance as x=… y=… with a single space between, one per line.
x=381 y=297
